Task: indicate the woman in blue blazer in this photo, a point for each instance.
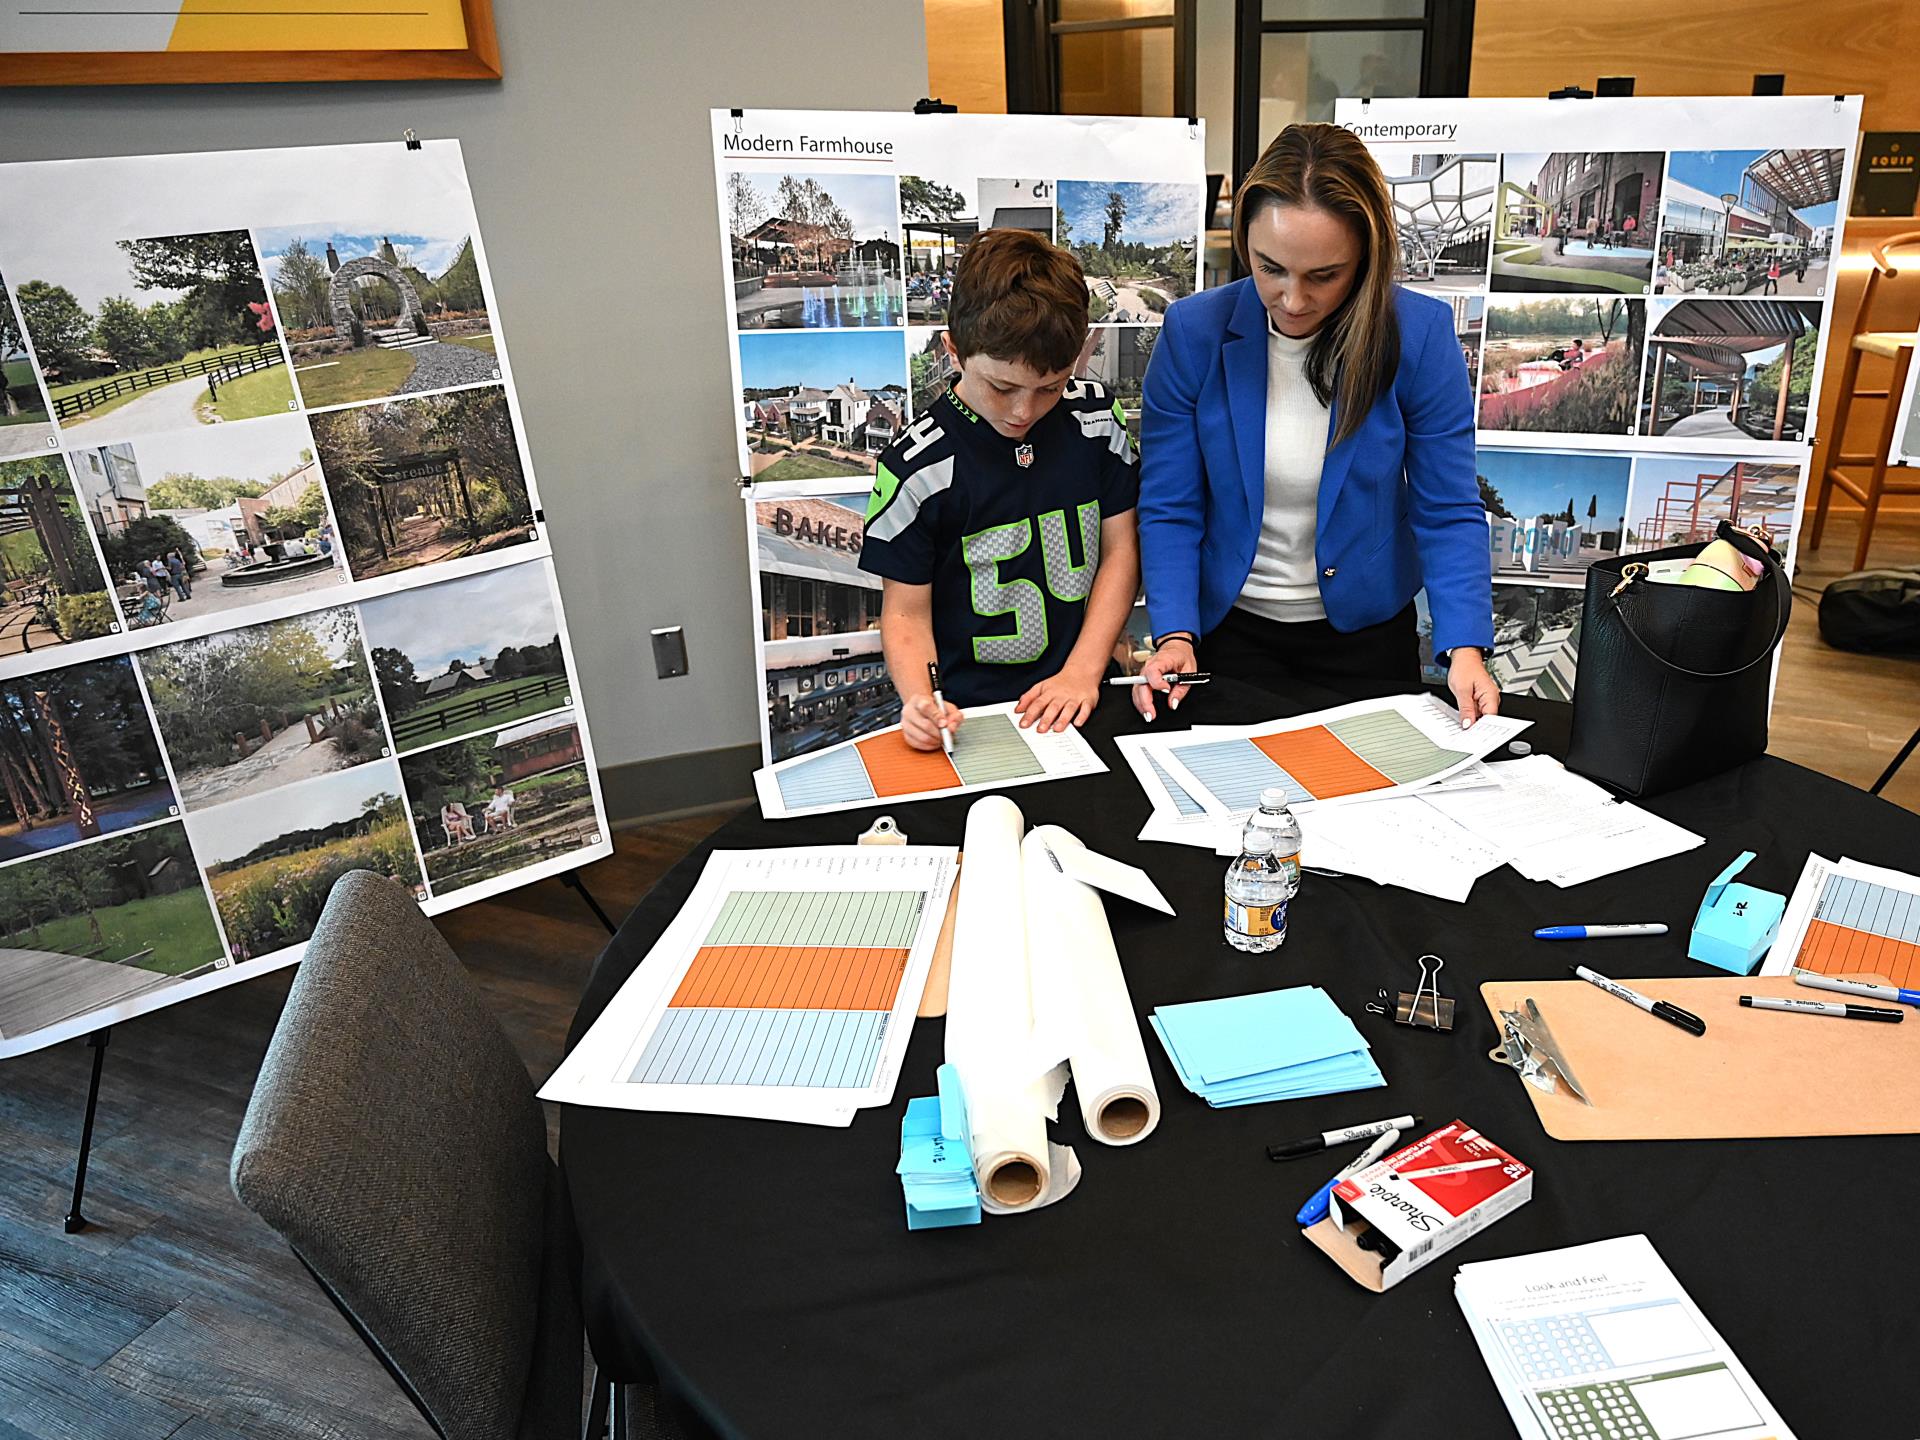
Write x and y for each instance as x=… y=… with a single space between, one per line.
x=1307 y=458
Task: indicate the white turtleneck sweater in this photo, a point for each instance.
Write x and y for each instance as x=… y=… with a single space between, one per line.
x=1285 y=583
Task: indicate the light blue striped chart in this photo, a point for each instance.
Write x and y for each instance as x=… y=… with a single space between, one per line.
x=1876 y=909
x=1182 y=801
x=1236 y=771
x=830 y=779
x=811 y=1049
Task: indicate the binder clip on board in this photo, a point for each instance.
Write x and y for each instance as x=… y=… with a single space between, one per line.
x=1426 y=1008
x=1529 y=1047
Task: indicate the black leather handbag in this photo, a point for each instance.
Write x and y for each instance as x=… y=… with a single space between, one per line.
x=1673 y=682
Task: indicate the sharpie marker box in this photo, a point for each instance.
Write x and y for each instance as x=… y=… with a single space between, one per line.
x=1425 y=1198
x=1736 y=923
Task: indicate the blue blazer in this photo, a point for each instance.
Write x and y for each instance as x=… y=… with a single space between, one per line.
x=1399 y=505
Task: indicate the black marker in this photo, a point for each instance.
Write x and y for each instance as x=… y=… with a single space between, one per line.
x=1327 y=1139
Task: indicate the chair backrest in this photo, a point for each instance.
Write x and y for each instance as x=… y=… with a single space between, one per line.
x=1874 y=312
x=394 y=1140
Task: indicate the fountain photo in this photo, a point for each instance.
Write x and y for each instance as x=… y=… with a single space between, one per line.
x=814 y=252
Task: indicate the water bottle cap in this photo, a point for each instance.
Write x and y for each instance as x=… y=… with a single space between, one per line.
x=1256 y=842
x=1273 y=798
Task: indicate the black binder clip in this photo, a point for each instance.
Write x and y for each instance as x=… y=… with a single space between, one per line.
x=1426 y=1008
x=413 y=140
x=933 y=105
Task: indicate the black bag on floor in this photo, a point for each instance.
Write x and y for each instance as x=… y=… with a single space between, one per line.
x=1876 y=612
x=1673 y=681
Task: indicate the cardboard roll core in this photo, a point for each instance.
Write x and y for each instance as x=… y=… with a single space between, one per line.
x=1014 y=1182
x=1124 y=1116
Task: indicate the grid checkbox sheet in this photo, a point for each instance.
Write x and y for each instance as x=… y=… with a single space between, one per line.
x=1849 y=918
x=785 y=988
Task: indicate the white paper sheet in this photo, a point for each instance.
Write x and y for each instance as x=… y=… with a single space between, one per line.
x=1595 y=1337
x=1877 y=908
x=1555 y=825
x=881 y=769
x=797 y=1035
x=1401 y=841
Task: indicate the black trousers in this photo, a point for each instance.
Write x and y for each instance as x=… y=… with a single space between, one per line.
x=1381 y=659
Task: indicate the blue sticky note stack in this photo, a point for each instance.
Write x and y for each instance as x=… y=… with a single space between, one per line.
x=1277 y=1045
x=936 y=1166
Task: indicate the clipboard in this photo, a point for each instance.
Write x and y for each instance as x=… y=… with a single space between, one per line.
x=1755 y=1073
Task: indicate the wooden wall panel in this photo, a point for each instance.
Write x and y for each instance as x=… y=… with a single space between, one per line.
x=967 y=55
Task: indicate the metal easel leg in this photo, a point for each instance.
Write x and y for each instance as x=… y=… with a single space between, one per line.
x=1898 y=761
x=76 y=1221
x=573 y=882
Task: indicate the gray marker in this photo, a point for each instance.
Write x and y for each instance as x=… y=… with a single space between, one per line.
x=1823 y=1007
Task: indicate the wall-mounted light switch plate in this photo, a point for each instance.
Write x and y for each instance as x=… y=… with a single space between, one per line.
x=669 y=652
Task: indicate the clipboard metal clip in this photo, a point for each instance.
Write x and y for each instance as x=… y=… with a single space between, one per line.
x=1530 y=1049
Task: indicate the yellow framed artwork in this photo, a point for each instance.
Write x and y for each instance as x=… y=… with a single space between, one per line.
x=81 y=42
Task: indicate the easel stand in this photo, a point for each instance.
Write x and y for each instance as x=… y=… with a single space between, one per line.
x=76 y=1221
x=574 y=883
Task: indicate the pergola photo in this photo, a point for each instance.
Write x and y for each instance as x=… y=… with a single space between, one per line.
x=1681 y=501
x=1715 y=345
x=1802 y=178
x=1444 y=212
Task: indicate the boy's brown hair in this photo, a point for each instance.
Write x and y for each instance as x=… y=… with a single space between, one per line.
x=1018 y=296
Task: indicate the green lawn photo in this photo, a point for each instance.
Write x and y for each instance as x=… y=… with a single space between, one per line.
x=249 y=397
x=125 y=899
x=806 y=465
x=21 y=393
x=352 y=375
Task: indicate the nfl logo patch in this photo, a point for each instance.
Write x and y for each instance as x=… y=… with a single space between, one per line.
x=1023 y=454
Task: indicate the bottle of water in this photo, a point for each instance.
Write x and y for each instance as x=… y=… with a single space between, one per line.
x=1264 y=878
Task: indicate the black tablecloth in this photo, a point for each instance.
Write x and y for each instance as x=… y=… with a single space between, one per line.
x=767 y=1270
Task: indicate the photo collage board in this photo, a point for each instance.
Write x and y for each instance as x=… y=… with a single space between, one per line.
x=840 y=232
x=276 y=594
x=1641 y=298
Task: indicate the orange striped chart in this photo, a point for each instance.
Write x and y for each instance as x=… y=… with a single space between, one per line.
x=1348 y=756
x=787 y=988
x=989 y=749
x=1860 y=927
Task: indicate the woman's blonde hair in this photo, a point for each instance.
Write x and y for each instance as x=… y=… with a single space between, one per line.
x=1327 y=168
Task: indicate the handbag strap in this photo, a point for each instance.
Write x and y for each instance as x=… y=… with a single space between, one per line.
x=1783 y=603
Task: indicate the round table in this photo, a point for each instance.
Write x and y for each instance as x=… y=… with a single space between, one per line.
x=766 y=1273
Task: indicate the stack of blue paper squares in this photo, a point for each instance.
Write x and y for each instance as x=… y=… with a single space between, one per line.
x=1277 y=1045
x=936 y=1165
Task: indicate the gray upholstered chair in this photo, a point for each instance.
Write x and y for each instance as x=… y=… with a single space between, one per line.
x=395 y=1141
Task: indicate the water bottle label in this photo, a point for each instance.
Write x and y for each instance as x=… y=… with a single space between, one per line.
x=1257 y=920
x=1290 y=864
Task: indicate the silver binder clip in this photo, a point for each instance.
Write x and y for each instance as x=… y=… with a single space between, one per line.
x=1426 y=1008
x=413 y=141
x=883 y=831
x=1530 y=1049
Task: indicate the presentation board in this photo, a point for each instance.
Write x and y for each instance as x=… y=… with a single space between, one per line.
x=276 y=594
x=840 y=232
x=1641 y=290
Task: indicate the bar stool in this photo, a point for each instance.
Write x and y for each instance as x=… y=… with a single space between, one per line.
x=1894 y=345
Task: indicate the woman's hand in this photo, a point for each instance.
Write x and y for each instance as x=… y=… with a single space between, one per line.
x=922 y=720
x=1176 y=657
x=1473 y=689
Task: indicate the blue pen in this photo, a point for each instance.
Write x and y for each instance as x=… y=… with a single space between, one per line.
x=1595 y=932
x=1315 y=1210
x=1856 y=987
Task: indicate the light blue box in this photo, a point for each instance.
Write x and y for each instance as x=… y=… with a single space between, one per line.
x=1736 y=923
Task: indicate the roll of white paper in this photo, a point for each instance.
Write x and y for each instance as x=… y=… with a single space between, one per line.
x=1082 y=1011
x=990 y=1024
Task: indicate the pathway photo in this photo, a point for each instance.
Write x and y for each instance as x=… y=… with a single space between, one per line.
x=1550 y=515
x=203 y=522
x=939 y=216
x=1681 y=499
x=51 y=590
x=1443 y=208
x=1137 y=241
x=271 y=860
x=498 y=803
x=99 y=924
x=424 y=479
x=25 y=428
x=471 y=654
x=376 y=309
x=251 y=710
x=140 y=336
x=814 y=251
x=821 y=404
x=1536 y=646
x=1749 y=222
x=1730 y=369
x=1570 y=365
x=78 y=758
x=1577 y=221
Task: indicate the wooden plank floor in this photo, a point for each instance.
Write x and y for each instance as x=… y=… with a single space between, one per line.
x=179 y=1315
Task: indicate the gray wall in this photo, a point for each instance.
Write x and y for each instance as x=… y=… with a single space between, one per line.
x=591 y=157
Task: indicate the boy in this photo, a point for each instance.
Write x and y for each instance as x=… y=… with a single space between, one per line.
x=1001 y=521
